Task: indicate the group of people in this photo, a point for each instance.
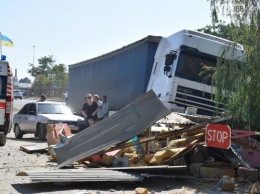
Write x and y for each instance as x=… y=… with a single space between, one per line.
x=95 y=108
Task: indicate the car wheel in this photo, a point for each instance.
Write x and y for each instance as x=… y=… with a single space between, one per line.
x=17 y=132
x=42 y=132
x=2 y=140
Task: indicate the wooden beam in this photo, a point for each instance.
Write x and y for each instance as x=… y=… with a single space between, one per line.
x=171 y=133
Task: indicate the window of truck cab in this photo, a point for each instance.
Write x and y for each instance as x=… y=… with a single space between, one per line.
x=191 y=65
x=3 y=84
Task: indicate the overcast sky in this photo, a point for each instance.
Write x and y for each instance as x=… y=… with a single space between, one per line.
x=74 y=31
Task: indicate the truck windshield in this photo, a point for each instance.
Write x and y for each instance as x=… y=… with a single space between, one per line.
x=190 y=66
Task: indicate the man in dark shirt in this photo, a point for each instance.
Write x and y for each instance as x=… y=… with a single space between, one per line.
x=90 y=108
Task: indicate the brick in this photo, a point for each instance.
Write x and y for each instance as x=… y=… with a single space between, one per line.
x=216 y=172
x=228 y=184
x=195 y=169
x=140 y=190
x=249 y=174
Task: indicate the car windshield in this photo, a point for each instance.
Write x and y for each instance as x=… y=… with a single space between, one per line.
x=53 y=109
x=17 y=93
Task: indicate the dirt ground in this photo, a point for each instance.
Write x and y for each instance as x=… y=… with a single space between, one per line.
x=13 y=160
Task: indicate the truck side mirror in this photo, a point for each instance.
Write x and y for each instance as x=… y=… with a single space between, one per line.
x=167 y=69
x=169 y=58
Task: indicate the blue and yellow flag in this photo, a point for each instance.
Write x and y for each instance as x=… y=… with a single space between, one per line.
x=5 y=41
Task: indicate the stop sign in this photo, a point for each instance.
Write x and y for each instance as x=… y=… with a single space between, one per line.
x=218 y=136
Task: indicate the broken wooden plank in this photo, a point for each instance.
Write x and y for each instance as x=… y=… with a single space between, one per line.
x=170 y=133
x=32 y=148
x=180 y=154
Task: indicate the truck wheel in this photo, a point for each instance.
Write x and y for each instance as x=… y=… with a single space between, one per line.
x=17 y=132
x=42 y=132
x=2 y=140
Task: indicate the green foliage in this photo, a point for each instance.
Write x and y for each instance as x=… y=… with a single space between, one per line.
x=50 y=78
x=25 y=80
x=237 y=78
x=45 y=65
x=220 y=29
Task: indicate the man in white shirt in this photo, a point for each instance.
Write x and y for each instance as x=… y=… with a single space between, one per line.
x=100 y=113
x=106 y=106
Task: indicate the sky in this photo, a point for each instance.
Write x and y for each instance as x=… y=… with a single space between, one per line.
x=74 y=31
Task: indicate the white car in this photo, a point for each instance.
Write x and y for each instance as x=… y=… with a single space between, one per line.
x=35 y=117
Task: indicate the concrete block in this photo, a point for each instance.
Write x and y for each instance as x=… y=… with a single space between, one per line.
x=228 y=184
x=140 y=190
x=195 y=169
x=216 y=172
x=249 y=174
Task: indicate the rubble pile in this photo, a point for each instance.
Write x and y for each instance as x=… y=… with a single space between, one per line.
x=174 y=140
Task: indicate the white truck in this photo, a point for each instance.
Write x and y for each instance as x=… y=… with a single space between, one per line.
x=6 y=100
x=170 y=66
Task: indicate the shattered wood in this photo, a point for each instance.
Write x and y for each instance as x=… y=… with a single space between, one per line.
x=170 y=133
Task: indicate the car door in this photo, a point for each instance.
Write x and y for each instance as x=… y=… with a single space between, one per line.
x=21 y=117
x=32 y=118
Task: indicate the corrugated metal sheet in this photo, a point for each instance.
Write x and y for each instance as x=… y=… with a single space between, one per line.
x=80 y=175
x=122 y=75
x=196 y=118
x=159 y=169
x=174 y=118
x=125 y=124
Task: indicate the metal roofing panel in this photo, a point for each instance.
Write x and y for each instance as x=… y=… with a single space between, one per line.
x=121 y=126
x=80 y=175
x=196 y=117
x=174 y=118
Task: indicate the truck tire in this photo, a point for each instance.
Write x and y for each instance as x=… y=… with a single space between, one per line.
x=17 y=132
x=42 y=132
x=2 y=140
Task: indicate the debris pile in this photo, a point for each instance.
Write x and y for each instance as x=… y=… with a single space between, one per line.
x=144 y=137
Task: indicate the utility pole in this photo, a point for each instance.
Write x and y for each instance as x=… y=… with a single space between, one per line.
x=33 y=54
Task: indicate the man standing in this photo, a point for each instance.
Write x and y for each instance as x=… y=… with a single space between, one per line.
x=100 y=109
x=105 y=106
x=43 y=98
x=90 y=108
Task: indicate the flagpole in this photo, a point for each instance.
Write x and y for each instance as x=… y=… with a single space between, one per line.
x=0 y=46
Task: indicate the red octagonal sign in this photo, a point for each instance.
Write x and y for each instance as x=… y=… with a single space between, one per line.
x=218 y=136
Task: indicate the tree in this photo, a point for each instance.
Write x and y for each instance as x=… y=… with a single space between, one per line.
x=50 y=78
x=25 y=80
x=239 y=76
x=223 y=30
x=45 y=65
x=41 y=84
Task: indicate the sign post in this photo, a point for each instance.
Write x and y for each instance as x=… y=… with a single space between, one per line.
x=218 y=136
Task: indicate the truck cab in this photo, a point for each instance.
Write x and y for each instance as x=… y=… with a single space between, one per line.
x=6 y=100
x=176 y=75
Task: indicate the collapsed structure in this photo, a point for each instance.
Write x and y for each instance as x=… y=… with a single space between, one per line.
x=145 y=139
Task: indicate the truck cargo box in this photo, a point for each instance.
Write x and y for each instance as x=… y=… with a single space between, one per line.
x=122 y=75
